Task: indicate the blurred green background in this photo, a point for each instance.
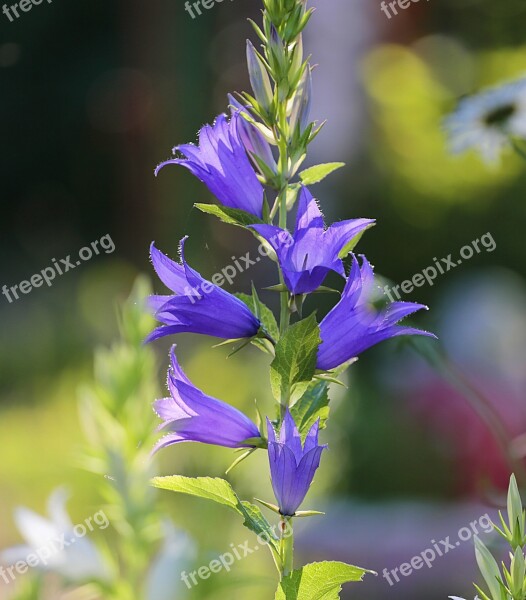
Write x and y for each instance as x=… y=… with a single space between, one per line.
x=94 y=95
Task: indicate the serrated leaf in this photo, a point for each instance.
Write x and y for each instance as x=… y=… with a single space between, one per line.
x=231 y=216
x=263 y=313
x=209 y=488
x=318 y=581
x=294 y=365
x=313 y=405
x=319 y=172
x=220 y=491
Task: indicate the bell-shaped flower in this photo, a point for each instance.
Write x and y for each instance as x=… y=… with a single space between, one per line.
x=53 y=544
x=189 y=415
x=307 y=256
x=197 y=305
x=353 y=325
x=292 y=465
x=222 y=164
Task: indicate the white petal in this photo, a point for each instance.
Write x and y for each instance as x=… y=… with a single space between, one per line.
x=177 y=555
x=36 y=530
x=57 y=509
x=82 y=561
x=12 y=555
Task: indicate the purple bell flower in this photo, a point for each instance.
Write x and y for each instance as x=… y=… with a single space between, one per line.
x=189 y=415
x=353 y=325
x=292 y=465
x=197 y=305
x=221 y=163
x=307 y=256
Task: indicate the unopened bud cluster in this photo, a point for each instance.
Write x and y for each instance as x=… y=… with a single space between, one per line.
x=281 y=81
x=508 y=582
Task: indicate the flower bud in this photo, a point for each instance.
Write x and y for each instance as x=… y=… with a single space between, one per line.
x=299 y=117
x=259 y=78
x=297 y=62
x=277 y=56
x=255 y=143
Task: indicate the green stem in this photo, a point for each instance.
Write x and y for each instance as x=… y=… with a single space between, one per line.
x=287 y=546
x=285 y=311
x=518 y=149
x=480 y=403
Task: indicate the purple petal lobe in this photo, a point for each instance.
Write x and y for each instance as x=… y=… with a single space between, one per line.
x=292 y=465
x=189 y=415
x=353 y=325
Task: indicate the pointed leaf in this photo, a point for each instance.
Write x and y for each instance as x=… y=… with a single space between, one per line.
x=352 y=243
x=319 y=172
x=231 y=216
x=220 y=491
x=313 y=405
x=488 y=567
x=263 y=313
x=318 y=581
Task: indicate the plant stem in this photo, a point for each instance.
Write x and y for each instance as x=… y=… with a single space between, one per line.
x=480 y=403
x=518 y=149
x=287 y=546
x=284 y=296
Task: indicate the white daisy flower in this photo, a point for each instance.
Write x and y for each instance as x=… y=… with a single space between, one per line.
x=489 y=120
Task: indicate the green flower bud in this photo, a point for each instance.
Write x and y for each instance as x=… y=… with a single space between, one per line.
x=299 y=117
x=259 y=78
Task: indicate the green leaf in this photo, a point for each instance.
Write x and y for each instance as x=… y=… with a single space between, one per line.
x=313 y=405
x=208 y=488
x=256 y=522
x=294 y=365
x=351 y=244
x=281 y=288
x=232 y=216
x=488 y=567
x=319 y=172
x=262 y=312
x=515 y=513
x=318 y=581
x=220 y=491
x=267 y=318
x=292 y=195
